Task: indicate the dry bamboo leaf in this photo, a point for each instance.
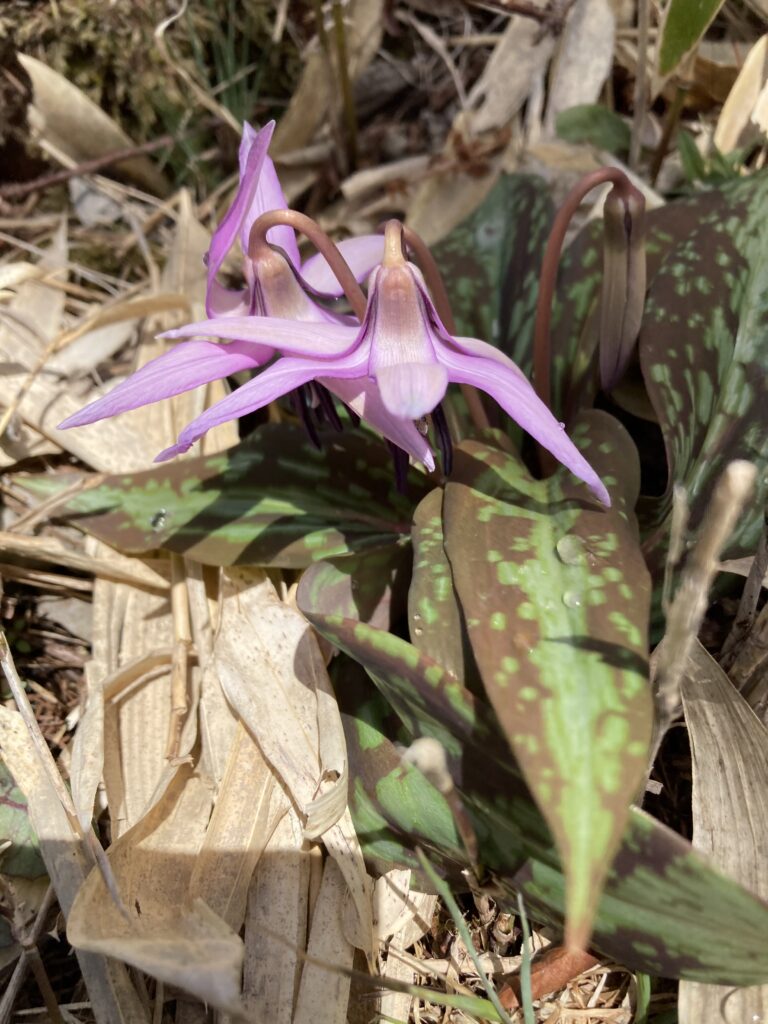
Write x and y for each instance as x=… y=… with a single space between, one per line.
x=324 y=994
x=273 y=675
x=730 y=814
x=112 y=996
x=583 y=60
x=113 y=566
x=72 y=128
x=37 y=306
x=276 y=923
x=249 y=804
x=168 y=933
x=518 y=59
x=87 y=765
x=736 y=125
x=344 y=847
x=317 y=98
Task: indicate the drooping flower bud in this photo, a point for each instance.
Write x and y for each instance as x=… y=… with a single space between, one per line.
x=624 y=277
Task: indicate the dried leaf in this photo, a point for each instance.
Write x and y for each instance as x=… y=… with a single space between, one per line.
x=583 y=60
x=740 y=118
x=168 y=934
x=730 y=813
x=72 y=128
x=110 y=990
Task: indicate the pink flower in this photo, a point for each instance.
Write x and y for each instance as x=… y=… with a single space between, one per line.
x=402 y=347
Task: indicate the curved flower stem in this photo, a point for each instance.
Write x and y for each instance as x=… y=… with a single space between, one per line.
x=436 y=285
x=624 y=189
x=337 y=263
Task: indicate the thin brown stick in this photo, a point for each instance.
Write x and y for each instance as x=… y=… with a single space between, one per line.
x=549 y=267
x=348 y=99
x=20 y=970
x=337 y=263
x=436 y=285
x=182 y=642
x=17 y=190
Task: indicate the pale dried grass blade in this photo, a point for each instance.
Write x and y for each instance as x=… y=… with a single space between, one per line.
x=113 y=997
x=249 y=804
x=729 y=747
x=115 y=566
x=324 y=994
x=271 y=671
x=276 y=923
x=167 y=933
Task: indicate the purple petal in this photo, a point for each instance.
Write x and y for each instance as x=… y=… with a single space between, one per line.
x=221 y=301
x=322 y=340
x=362 y=254
x=475 y=347
x=283 y=376
x=516 y=396
x=411 y=390
x=185 y=367
x=253 y=151
x=270 y=196
x=362 y=396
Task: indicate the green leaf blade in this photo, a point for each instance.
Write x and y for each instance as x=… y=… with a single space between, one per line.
x=556 y=599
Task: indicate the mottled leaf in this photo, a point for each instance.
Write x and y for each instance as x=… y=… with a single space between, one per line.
x=684 y=23
x=556 y=597
x=370 y=587
x=272 y=500
x=705 y=361
x=435 y=621
x=662 y=906
x=492 y=261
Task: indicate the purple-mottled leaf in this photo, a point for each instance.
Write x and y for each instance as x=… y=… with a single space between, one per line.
x=272 y=500
x=556 y=595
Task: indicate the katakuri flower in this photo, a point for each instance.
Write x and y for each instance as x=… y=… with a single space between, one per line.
x=259 y=191
x=273 y=289
x=401 y=346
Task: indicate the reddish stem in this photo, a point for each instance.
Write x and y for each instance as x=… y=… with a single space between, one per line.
x=337 y=263
x=542 y=356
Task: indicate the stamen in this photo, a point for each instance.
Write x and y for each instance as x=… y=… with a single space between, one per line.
x=303 y=411
x=326 y=407
x=400 y=460
x=444 y=441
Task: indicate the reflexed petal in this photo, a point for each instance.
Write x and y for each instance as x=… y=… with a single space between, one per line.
x=221 y=301
x=411 y=390
x=516 y=396
x=321 y=340
x=283 y=376
x=253 y=151
x=185 y=367
x=362 y=254
x=270 y=196
x=362 y=396
x=475 y=347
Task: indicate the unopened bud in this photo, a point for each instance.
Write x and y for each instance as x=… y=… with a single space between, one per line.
x=624 y=276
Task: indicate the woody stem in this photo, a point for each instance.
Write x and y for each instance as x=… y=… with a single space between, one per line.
x=321 y=241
